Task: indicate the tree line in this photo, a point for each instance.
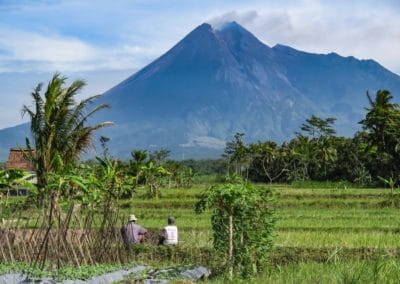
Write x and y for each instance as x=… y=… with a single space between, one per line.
x=371 y=157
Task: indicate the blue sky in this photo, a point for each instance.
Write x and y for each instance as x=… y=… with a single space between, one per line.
x=103 y=42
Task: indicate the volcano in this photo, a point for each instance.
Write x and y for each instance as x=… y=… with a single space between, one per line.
x=219 y=81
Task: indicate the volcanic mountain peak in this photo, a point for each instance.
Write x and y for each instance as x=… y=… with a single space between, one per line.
x=234 y=31
x=219 y=81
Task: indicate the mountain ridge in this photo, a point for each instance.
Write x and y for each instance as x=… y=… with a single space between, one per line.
x=216 y=82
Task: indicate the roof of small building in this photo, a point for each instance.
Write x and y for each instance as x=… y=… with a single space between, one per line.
x=18 y=159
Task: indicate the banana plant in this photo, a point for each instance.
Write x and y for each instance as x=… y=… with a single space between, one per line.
x=109 y=182
x=15 y=179
x=389 y=182
x=152 y=174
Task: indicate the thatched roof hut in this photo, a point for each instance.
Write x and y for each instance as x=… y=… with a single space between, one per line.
x=17 y=159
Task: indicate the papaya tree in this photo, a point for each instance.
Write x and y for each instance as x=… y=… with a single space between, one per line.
x=243 y=223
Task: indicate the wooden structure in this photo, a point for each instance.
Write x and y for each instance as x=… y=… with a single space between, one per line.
x=17 y=159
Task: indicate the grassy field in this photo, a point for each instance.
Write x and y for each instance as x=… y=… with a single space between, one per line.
x=310 y=218
x=323 y=235
x=335 y=235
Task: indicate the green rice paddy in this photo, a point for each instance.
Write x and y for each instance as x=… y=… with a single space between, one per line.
x=323 y=235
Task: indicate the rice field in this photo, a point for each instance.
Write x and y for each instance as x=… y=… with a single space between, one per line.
x=306 y=217
x=323 y=235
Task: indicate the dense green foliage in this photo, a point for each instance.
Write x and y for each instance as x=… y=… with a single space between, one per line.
x=242 y=222
x=14 y=179
x=58 y=126
x=369 y=158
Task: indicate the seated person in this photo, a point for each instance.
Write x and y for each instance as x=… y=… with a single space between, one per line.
x=169 y=235
x=132 y=233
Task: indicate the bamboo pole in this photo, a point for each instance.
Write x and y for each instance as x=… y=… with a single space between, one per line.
x=230 y=252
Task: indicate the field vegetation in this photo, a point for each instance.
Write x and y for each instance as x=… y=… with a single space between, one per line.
x=337 y=240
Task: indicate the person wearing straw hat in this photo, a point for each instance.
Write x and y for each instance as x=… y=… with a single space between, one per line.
x=133 y=233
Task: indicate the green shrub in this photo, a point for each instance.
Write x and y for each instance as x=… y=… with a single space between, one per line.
x=243 y=223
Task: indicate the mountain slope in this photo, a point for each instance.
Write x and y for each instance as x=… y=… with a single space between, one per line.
x=214 y=83
x=12 y=137
x=210 y=85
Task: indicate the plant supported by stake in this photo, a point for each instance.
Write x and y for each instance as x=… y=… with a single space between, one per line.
x=243 y=218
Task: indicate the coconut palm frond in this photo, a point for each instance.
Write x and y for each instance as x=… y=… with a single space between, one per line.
x=58 y=125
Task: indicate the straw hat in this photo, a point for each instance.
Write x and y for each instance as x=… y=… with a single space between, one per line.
x=132 y=218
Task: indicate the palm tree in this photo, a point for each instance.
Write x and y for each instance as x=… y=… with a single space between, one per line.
x=58 y=126
x=138 y=160
x=382 y=126
x=382 y=120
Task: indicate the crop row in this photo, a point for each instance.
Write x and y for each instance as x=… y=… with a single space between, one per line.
x=285 y=203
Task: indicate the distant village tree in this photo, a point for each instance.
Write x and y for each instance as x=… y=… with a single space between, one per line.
x=237 y=154
x=381 y=125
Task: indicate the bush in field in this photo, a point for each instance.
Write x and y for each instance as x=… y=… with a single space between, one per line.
x=243 y=223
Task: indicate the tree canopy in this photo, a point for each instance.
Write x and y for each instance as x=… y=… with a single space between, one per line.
x=59 y=125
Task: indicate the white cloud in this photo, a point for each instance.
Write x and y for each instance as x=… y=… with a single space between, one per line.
x=244 y=18
x=132 y=34
x=34 y=46
x=346 y=29
x=22 y=50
